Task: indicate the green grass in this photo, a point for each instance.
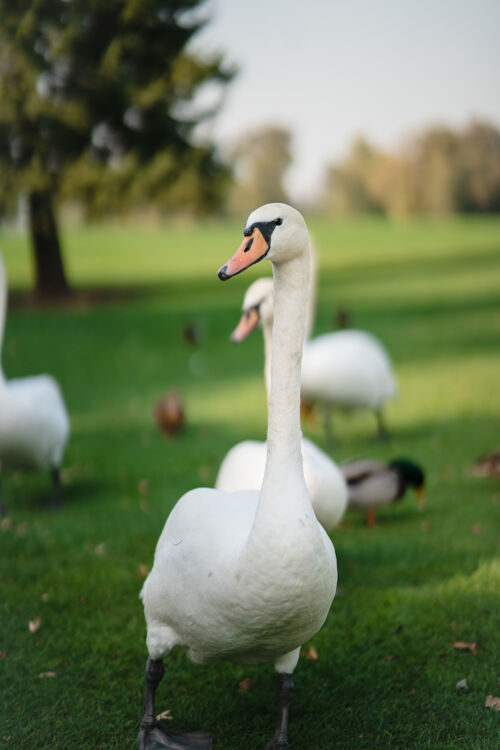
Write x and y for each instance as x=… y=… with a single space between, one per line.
x=407 y=589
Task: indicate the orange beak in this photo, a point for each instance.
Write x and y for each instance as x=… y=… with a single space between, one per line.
x=253 y=248
x=249 y=320
x=419 y=492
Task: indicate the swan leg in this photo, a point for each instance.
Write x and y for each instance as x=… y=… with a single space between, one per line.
x=370 y=518
x=327 y=422
x=3 y=509
x=382 y=431
x=285 y=687
x=152 y=734
x=56 y=484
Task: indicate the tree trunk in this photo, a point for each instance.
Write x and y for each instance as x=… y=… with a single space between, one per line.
x=49 y=269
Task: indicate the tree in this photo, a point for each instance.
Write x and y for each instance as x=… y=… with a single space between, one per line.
x=261 y=159
x=95 y=102
x=348 y=186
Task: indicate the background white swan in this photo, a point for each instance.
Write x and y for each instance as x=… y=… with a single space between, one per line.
x=347 y=370
x=243 y=466
x=248 y=576
x=34 y=423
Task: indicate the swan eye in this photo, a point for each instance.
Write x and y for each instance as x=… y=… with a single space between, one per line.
x=278 y=222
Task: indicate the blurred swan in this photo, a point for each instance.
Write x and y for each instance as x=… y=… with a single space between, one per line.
x=348 y=370
x=34 y=423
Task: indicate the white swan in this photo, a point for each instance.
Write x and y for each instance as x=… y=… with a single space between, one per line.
x=248 y=576
x=348 y=370
x=243 y=466
x=34 y=423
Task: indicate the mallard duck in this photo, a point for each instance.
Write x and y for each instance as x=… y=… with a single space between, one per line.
x=169 y=413
x=247 y=576
x=372 y=484
x=488 y=465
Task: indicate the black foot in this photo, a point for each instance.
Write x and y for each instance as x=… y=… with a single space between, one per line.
x=278 y=745
x=158 y=737
x=56 y=494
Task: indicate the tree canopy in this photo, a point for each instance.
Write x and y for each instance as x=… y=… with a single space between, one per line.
x=96 y=101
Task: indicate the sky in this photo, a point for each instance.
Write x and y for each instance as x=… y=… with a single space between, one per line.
x=330 y=70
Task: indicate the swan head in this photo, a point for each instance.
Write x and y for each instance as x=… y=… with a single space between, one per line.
x=275 y=231
x=257 y=308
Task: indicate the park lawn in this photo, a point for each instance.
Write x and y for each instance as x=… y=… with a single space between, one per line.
x=386 y=671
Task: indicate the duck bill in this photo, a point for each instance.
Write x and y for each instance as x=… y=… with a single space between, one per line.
x=249 y=321
x=253 y=248
x=419 y=492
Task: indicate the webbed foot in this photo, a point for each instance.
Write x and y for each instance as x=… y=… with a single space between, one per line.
x=157 y=737
x=278 y=745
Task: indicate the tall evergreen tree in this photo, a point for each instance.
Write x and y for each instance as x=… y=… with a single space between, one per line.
x=94 y=101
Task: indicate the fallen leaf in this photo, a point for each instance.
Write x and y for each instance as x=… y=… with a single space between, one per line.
x=45 y=597
x=245 y=684
x=492 y=701
x=144 y=505
x=165 y=715
x=462 y=686
x=47 y=674
x=143 y=486
x=6 y=524
x=22 y=529
x=3 y=654
x=311 y=653
x=143 y=570
x=100 y=549
x=34 y=625
x=465 y=646
x=390 y=657
x=425 y=525
x=476 y=528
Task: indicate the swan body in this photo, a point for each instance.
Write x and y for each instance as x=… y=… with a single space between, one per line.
x=248 y=576
x=34 y=423
x=347 y=369
x=243 y=466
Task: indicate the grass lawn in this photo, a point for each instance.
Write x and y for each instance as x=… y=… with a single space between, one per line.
x=408 y=589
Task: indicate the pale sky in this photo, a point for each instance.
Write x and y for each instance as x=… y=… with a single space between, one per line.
x=332 y=69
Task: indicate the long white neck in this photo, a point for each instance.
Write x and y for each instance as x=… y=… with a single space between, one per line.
x=311 y=300
x=267 y=326
x=284 y=477
x=267 y=334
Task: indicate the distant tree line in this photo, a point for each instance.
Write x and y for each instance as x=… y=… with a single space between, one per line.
x=438 y=171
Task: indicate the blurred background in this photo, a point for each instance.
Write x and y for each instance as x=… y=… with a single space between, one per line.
x=135 y=138
x=151 y=110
